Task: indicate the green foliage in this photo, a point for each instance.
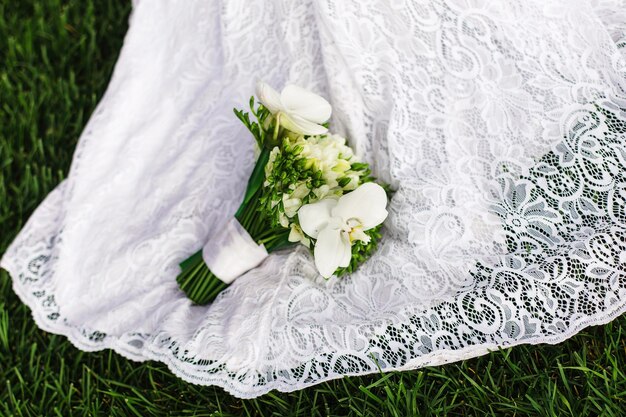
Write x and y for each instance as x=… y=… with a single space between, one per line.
x=261 y=136
x=55 y=61
x=361 y=251
x=288 y=168
x=365 y=172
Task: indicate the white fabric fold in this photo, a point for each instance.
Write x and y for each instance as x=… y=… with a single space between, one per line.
x=232 y=252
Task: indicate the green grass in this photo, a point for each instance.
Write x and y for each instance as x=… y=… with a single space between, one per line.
x=55 y=61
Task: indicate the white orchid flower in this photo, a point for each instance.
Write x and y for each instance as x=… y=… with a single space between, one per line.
x=337 y=223
x=295 y=108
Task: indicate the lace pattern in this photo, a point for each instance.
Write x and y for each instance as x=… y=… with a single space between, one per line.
x=499 y=123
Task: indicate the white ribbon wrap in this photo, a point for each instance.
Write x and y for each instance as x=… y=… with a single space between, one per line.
x=232 y=252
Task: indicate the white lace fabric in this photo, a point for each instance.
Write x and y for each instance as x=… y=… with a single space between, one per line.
x=500 y=125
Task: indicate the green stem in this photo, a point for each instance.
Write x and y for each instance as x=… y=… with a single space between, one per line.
x=276 y=127
x=195 y=279
x=256 y=179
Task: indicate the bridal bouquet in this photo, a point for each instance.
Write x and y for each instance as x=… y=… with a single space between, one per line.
x=307 y=187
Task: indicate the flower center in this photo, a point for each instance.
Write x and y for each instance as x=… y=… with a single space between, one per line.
x=354 y=228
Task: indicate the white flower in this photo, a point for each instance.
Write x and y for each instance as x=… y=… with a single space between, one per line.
x=354 y=181
x=337 y=223
x=291 y=205
x=295 y=108
x=283 y=219
x=299 y=191
x=341 y=166
x=329 y=154
x=321 y=192
x=293 y=200
x=296 y=235
x=269 y=167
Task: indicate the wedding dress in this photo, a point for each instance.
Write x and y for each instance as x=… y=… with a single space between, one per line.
x=500 y=124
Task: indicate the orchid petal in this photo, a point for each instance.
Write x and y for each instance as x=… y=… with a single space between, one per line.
x=269 y=97
x=300 y=125
x=315 y=216
x=303 y=103
x=367 y=204
x=347 y=253
x=332 y=250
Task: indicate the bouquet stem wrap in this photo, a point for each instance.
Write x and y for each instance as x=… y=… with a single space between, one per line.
x=241 y=244
x=232 y=252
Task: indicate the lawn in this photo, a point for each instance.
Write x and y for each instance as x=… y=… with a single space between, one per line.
x=56 y=58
